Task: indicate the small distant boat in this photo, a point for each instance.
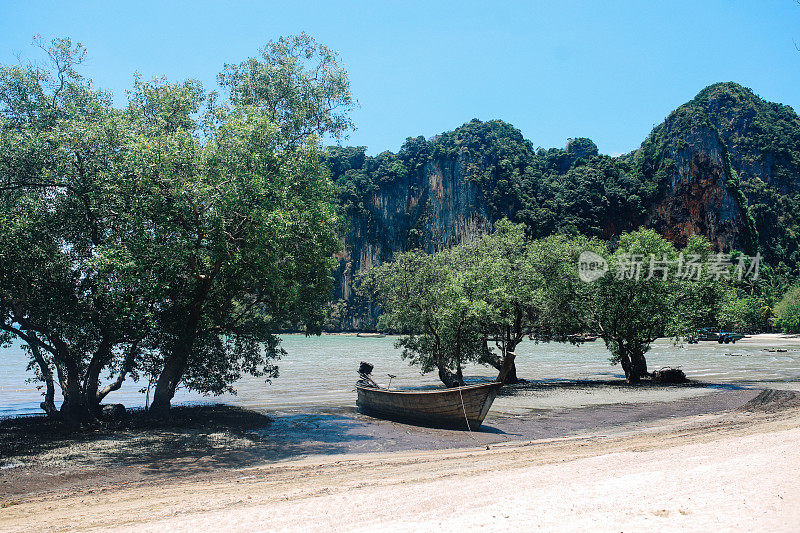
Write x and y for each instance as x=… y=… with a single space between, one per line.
x=708 y=334
x=372 y=335
x=582 y=337
x=456 y=407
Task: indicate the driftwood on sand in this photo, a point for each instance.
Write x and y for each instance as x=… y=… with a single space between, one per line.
x=669 y=375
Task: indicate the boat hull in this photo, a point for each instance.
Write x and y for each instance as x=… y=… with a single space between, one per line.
x=435 y=408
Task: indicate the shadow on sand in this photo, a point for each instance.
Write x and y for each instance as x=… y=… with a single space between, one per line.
x=196 y=439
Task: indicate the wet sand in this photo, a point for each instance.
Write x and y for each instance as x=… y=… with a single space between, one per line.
x=729 y=468
x=34 y=458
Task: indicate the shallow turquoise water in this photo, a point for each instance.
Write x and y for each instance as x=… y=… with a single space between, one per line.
x=319 y=372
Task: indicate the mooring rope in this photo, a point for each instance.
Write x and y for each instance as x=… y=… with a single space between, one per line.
x=464 y=409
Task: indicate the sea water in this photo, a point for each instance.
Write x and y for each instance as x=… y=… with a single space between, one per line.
x=319 y=372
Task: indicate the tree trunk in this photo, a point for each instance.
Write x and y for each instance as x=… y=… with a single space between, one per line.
x=91 y=383
x=496 y=362
x=127 y=366
x=508 y=362
x=48 y=405
x=511 y=377
x=448 y=378
x=639 y=364
x=73 y=410
x=634 y=365
x=631 y=376
x=168 y=381
x=176 y=360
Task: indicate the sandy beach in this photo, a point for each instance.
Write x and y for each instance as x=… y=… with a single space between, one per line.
x=732 y=468
x=694 y=456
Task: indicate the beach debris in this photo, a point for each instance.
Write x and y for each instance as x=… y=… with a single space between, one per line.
x=113 y=411
x=669 y=375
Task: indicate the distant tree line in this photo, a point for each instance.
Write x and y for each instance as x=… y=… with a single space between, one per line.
x=475 y=302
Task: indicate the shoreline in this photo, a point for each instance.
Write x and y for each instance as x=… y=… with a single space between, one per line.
x=301 y=384
x=533 y=481
x=202 y=439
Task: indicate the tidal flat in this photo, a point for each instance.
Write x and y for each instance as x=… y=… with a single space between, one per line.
x=249 y=441
x=230 y=478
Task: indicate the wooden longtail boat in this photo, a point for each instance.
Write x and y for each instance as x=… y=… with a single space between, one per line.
x=456 y=407
x=439 y=408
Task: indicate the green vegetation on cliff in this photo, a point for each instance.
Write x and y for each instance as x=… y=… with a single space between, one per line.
x=751 y=145
x=571 y=190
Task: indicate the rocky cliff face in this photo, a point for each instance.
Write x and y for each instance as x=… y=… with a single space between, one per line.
x=683 y=180
x=434 y=208
x=697 y=200
x=762 y=137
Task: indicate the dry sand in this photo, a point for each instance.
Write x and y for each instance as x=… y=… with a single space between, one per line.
x=733 y=470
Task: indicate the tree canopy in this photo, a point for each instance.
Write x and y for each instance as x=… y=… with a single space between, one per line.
x=460 y=304
x=173 y=237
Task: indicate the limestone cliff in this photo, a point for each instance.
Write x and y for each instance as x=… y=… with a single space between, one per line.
x=434 y=208
x=725 y=165
x=696 y=199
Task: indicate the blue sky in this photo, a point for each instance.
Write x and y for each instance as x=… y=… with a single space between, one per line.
x=608 y=70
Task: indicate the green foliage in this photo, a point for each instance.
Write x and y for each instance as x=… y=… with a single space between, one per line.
x=551 y=191
x=174 y=237
x=69 y=287
x=777 y=220
x=787 y=311
x=525 y=284
x=748 y=304
x=734 y=186
x=627 y=311
x=697 y=299
x=749 y=314
x=501 y=287
x=430 y=298
x=298 y=84
x=506 y=286
x=649 y=292
x=241 y=227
